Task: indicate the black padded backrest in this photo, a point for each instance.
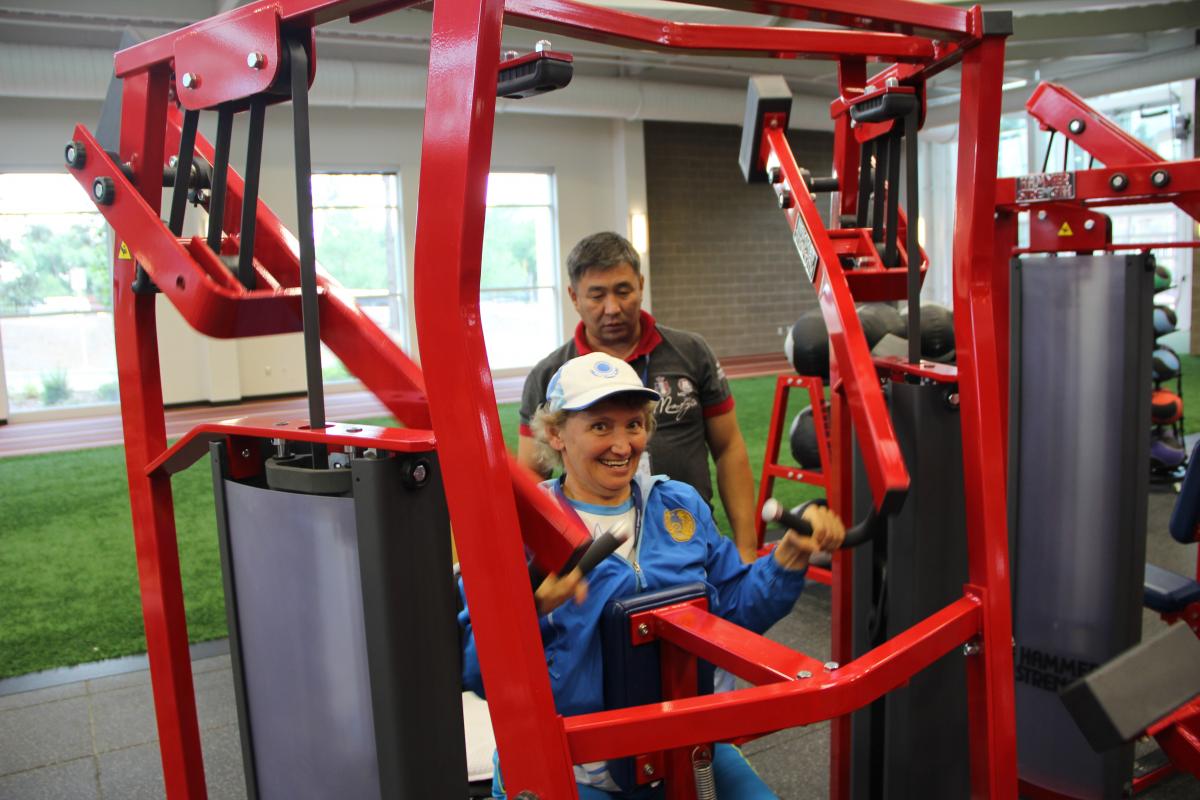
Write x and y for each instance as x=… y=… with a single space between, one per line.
x=632 y=674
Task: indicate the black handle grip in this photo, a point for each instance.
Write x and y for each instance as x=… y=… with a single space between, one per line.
x=585 y=557
x=863 y=532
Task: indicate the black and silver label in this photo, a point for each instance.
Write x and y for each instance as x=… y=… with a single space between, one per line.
x=805 y=247
x=1049 y=186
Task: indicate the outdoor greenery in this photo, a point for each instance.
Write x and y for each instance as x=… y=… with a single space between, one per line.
x=69 y=260
x=510 y=247
x=68 y=574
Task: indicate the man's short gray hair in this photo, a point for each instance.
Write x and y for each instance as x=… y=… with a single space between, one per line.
x=601 y=251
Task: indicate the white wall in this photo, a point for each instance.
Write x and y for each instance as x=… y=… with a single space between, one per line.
x=598 y=164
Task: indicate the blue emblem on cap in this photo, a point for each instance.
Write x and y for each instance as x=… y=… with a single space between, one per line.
x=604 y=369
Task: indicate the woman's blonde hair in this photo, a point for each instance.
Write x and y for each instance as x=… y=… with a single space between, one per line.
x=544 y=421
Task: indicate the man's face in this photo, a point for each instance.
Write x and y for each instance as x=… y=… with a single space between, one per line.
x=609 y=302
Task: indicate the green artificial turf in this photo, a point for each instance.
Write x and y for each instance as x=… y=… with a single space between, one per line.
x=68 y=576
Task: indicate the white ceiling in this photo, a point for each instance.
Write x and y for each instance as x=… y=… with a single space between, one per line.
x=1121 y=43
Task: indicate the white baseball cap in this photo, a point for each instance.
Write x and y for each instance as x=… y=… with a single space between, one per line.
x=586 y=380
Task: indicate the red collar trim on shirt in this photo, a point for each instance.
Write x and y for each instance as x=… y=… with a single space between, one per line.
x=649 y=340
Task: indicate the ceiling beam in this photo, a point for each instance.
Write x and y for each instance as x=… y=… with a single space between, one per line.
x=1148 y=18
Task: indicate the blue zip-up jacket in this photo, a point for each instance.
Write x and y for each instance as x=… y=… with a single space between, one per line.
x=678 y=543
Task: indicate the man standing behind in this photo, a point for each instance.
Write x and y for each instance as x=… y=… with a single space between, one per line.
x=695 y=415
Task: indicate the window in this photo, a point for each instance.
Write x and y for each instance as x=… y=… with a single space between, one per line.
x=356 y=224
x=519 y=298
x=55 y=294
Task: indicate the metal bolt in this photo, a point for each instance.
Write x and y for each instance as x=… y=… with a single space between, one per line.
x=643 y=629
x=420 y=473
x=1118 y=181
x=1159 y=178
x=353 y=429
x=76 y=154
x=509 y=55
x=190 y=80
x=173 y=162
x=1076 y=126
x=785 y=199
x=775 y=174
x=1089 y=224
x=103 y=190
x=892 y=83
x=831 y=666
x=971 y=649
x=1042 y=214
x=953 y=399
x=541 y=46
x=803 y=674
x=245 y=452
x=255 y=60
x=280 y=447
x=648 y=768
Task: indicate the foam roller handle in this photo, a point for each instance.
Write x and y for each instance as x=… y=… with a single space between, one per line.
x=601 y=548
x=773 y=511
x=865 y=531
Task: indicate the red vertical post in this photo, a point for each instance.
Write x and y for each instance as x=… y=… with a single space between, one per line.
x=840 y=496
x=143 y=120
x=767 y=484
x=456 y=147
x=978 y=330
x=852 y=77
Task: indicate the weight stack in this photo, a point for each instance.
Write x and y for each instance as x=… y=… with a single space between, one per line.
x=913 y=741
x=1079 y=439
x=341 y=606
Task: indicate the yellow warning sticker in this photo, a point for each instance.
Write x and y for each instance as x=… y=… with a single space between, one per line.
x=1065 y=230
x=125 y=254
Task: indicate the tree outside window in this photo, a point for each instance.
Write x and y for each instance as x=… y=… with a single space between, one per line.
x=55 y=294
x=519 y=299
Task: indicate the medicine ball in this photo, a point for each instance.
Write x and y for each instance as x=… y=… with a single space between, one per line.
x=803 y=440
x=878 y=320
x=1166 y=363
x=937 y=331
x=1164 y=320
x=1165 y=407
x=1162 y=278
x=807 y=345
x=1165 y=450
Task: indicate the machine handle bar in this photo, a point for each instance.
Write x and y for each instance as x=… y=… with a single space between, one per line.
x=863 y=532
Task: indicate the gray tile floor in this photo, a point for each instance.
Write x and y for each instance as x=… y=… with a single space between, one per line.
x=95 y=739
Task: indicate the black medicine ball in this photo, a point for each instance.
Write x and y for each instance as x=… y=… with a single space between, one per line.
x=802 y=437
x=807 y=345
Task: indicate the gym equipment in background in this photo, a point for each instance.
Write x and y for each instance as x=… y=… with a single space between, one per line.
x=1072 y=613
x=802 y=438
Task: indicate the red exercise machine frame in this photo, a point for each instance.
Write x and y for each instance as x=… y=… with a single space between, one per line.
x=495 y=508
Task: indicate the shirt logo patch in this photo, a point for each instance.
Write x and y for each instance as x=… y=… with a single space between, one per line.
x=680 y=524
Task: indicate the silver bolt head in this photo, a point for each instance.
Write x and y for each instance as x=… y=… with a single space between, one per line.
x=256 y=60
x=648 y=768
x=953 y=399
x=644 y=629
x=831 y=666
x=1089 y=224
x=420 y=473
x=173 y=161
x=541 y=45
x=785 y=199
x=509 y=55
x=1076 y=126
x=246 y=452
x=971 y=649
x=803 y=674
x=189 y=80
x=776 y=175
x=892 y=83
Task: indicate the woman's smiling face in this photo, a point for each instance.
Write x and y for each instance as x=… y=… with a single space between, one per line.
x=600 y=448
